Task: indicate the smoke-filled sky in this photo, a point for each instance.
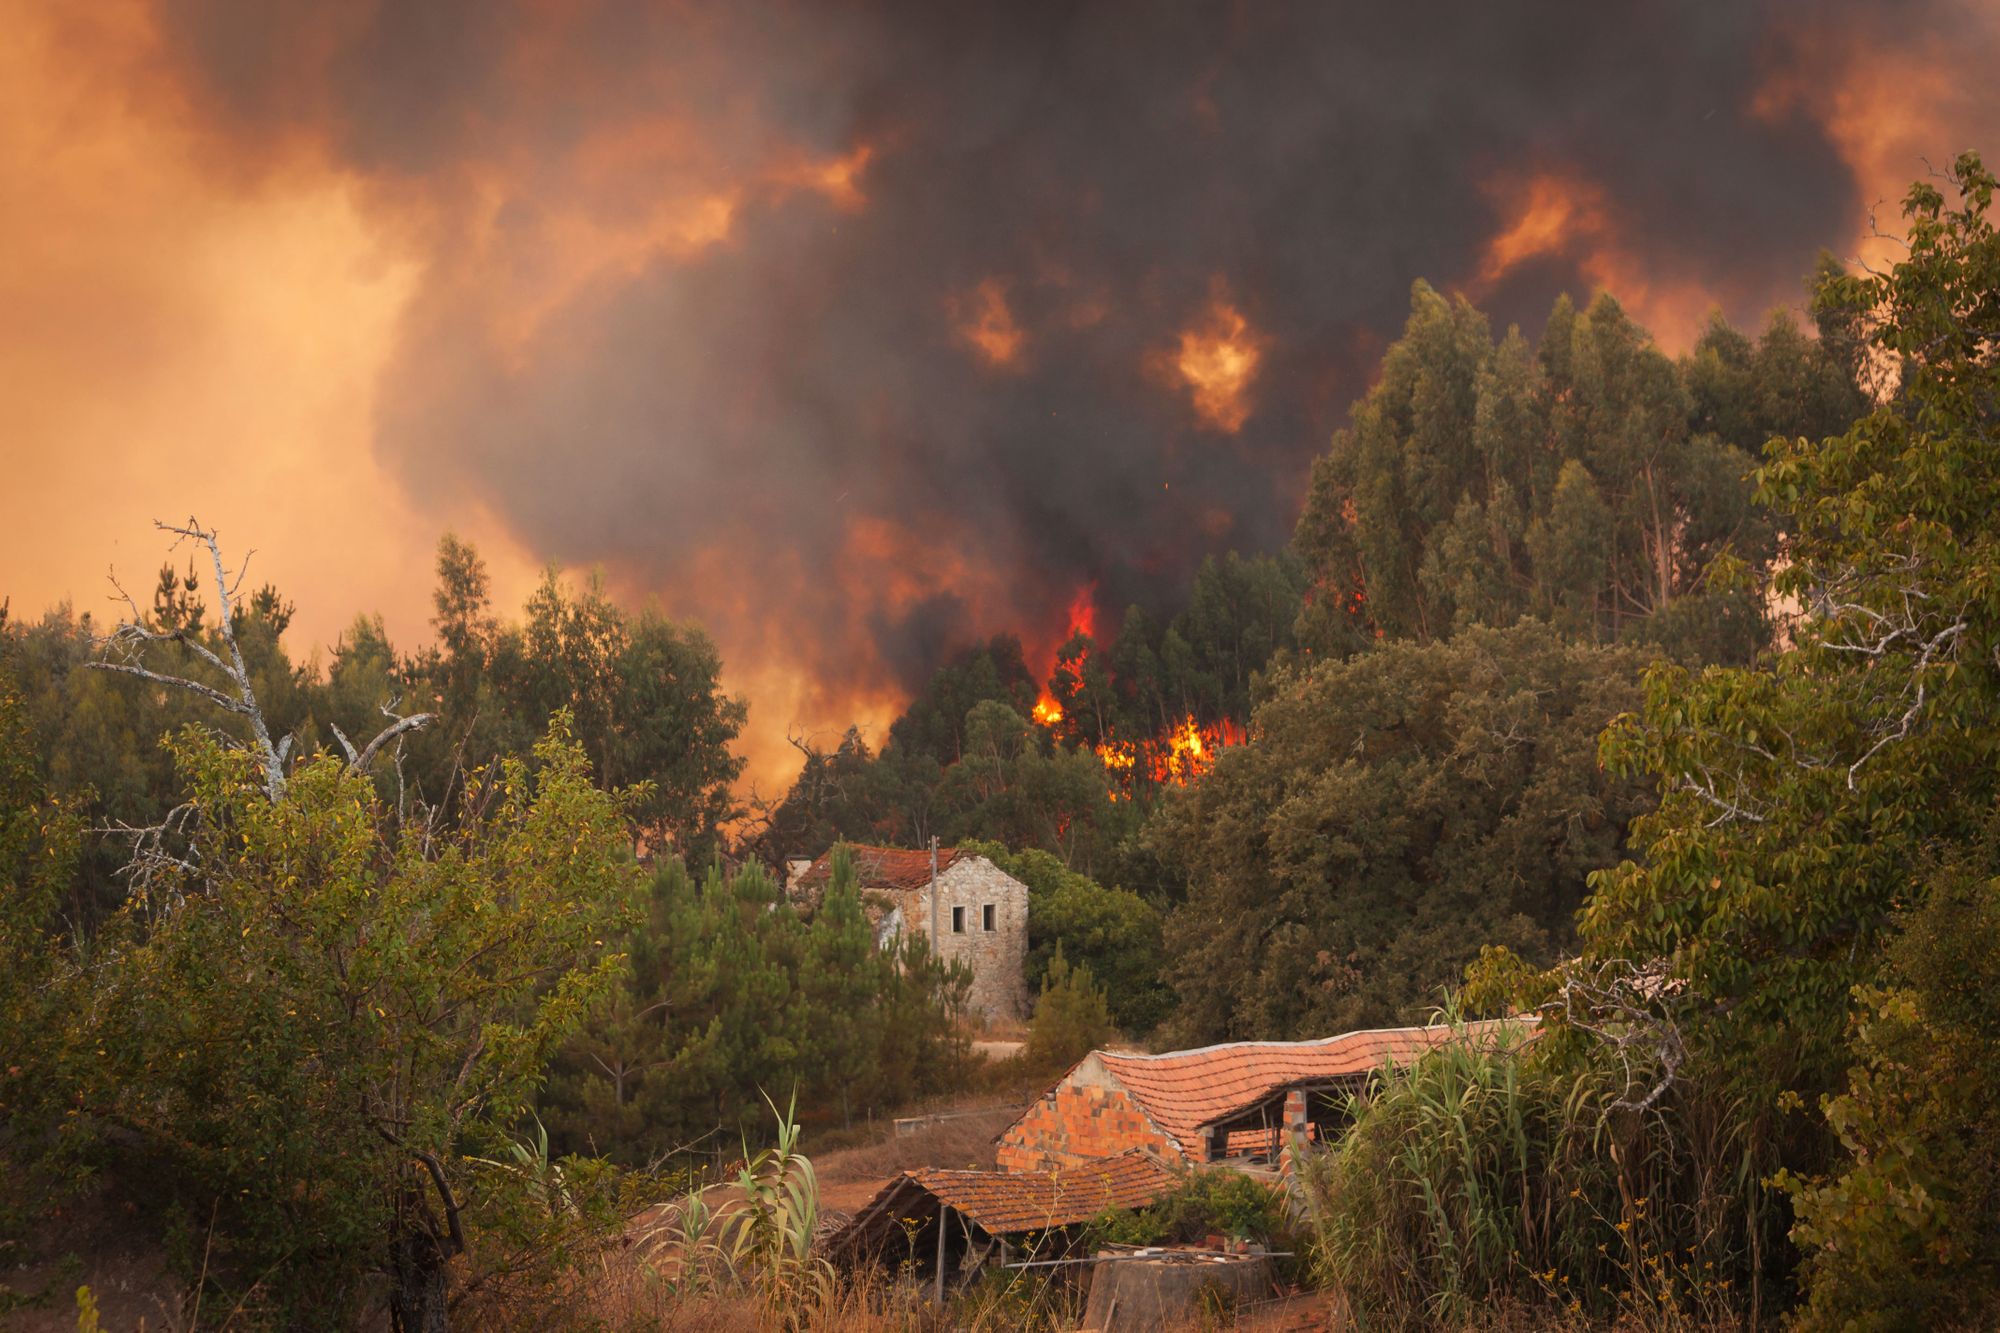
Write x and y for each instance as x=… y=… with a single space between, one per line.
x=856 y=331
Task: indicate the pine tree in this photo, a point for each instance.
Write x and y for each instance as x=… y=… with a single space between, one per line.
x=1071 y=1018
x=843 y=974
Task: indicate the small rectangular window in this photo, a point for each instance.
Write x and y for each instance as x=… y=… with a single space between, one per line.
x=988 y=910
x=958 y=920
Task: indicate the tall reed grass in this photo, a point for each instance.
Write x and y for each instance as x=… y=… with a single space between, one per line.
x=1489 y=1175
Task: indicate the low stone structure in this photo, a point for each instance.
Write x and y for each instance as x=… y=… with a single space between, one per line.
x=966 y=908
x=1138 y=1292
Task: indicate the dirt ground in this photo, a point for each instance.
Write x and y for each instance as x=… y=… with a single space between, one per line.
x=101 y=1245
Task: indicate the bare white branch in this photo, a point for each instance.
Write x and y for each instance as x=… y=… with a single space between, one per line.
x=393 y=731
x=152 y=853
x=133 y=635
x=1628 y=1008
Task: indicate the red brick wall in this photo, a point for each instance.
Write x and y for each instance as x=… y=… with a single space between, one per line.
x=1076 y=1124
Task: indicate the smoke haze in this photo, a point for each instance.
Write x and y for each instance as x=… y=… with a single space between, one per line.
x=859 y=332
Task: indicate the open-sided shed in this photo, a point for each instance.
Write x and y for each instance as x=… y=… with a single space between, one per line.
x=947 y=1222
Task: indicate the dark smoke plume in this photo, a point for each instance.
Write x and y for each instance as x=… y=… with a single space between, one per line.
x=705 y=283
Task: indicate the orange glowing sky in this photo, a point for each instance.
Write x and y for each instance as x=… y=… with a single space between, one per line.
x=176 y=342
x=189 y=328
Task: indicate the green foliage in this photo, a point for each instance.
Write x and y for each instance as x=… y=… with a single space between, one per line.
x=1484 y=1175
x=1590 y=480
x=844 y=793
x=770 y=1234
x=1801 y=800
x=39 y=840
x=1798 y=798
x=643 y=693
x=1070 y=1018
x=1014 y=786
x=1395 y=812
x=1902 y=1231
x=731 y=991
x=314 y=1018
x=1203 y=1203
x=543 y=1227
x=763 y=1239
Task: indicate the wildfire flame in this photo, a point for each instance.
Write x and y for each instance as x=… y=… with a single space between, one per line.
x=986 y=324
x=1218 y=359
x=1550 y=214
x=1181 y=755
x=1189 y=750
x=1083 y=612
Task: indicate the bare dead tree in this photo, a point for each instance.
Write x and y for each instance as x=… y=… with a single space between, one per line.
x=127 y=645
x=1900 y=640
x=1628 y=1008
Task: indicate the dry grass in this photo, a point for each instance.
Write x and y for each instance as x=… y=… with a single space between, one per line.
x=964 y=1142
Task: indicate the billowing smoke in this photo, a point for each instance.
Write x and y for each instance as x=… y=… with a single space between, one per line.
x=861 y=330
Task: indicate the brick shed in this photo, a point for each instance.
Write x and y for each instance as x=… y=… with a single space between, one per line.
x=980 y=917
x=1231 y=1102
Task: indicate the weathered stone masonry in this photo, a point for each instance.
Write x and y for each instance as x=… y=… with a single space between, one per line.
x=982 y=921
x=981 y=916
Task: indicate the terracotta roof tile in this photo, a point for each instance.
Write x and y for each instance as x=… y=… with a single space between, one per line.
x=898 y=869
x=1183 y=1091
x=1008 y=1202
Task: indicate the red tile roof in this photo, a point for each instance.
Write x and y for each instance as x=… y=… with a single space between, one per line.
x=1185 y=1091
x=1009 y=1202
x=896 y=868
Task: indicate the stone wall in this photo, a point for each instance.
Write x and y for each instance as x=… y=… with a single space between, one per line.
x=1079 y=1121
x=997 y=956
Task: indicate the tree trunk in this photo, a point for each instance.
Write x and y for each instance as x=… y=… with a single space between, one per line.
x=417 y=1298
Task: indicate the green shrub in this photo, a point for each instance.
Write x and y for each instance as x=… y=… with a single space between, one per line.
x=1070 y=1020
x=306 y=1031
x=1483 y=1174
x=1905 y=1234
x=1204 y=1203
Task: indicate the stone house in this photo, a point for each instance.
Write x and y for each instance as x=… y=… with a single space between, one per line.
x=1238 y=1103
x=966 y=908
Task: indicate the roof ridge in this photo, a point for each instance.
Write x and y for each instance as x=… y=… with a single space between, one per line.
x=883 y=847
x=1301 y=1044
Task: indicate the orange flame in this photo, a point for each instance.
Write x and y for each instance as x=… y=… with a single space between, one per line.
x=986 y=324
x=1182 y=755
x=1218 y=359
x=1189 y=751
x=1083 y=611
x=1559 y=212
x=1551 y=213
x=1082 y=620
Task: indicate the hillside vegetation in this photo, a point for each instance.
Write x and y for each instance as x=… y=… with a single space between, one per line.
x=1559 y=701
